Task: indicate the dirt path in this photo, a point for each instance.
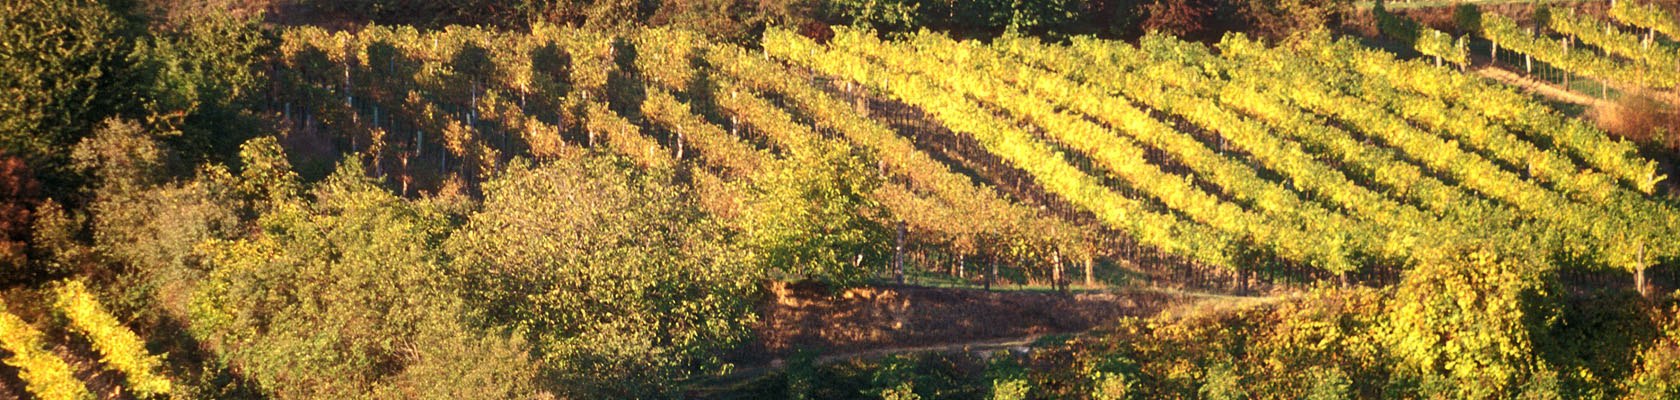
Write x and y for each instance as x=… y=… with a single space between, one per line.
x=1535 y=86
x=1555 y=92
x=1179 y=304
x=747 y=374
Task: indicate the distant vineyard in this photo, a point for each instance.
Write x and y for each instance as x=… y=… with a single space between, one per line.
x=1274 y=164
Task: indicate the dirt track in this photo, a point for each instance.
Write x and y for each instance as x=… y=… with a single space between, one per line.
x=873 y=322
x=870 y=318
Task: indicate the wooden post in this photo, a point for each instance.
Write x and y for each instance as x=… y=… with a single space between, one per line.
x=1089 y=280
x=1639 y=275
x=898 y=254
x=1056 y=271
x=993 y=273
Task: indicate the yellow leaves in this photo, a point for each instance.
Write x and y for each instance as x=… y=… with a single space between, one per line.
x=119 y=348
x=44 y=374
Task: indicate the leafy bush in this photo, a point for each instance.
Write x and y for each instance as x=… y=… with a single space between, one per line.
x=1222 y=381
x=1008 y=378
x=1657 y=371
x=1463 y=327
x=617 y=277
x=810 y=216
x=347 y=295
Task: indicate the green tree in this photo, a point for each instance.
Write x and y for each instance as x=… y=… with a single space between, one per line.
x=616 y=275
x=201 y=68
x=141 y=218
x=64 y=69
x=347 y=295
x=55 y=248
x=809 y=216
x=888 y=15
x=1464 y=327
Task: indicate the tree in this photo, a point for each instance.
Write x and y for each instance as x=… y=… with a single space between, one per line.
x=63 y=63
x=121 y=156
x=889 y=15
x=1465 y=326
x=55 y=248
x=19 y=193
x=200 y=67
x=1278 y=19
x=1180 y=17
x=617 y=277
x=809 y=216
x=348 y=295
x=141 y=218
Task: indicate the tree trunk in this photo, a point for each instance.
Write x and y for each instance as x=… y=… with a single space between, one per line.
x=898 y=255
x=962 y=266
x=1056 y=272
x=1639 y=274
x=1089 y=280
x=1639 y=281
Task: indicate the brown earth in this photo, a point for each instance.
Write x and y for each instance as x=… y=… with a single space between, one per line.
x=860 y=320
x=1535 y=86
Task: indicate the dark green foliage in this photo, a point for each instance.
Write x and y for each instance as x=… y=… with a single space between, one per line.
x=1467 y=18
x=618 y=279
x=64 y=69
x=801 y=374
x=894 y=379
x=202 y=76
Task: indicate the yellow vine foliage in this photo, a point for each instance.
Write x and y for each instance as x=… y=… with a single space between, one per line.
x=43 y=374
x=119 y=348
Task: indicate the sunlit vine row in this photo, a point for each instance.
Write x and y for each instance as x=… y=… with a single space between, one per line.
x=1309 y=90
x=1019 y=148
x=43 y=374
x=981 y=210
x=1293 y=227
x=1536 y=120
x=1118 y=67
x=119 y=348
x=1506 y=34
x=1646 y=16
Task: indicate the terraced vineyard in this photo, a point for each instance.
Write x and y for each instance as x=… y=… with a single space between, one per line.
x=1272 y=164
